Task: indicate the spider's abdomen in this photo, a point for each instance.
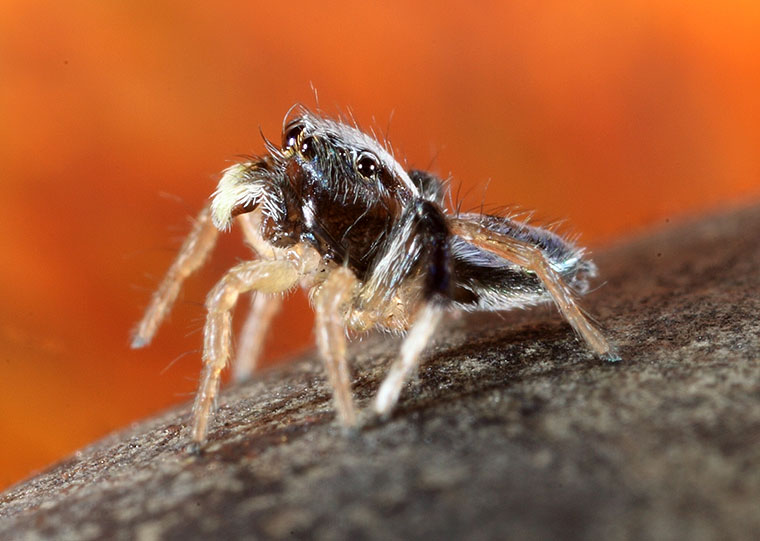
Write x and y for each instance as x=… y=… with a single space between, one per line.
x=496 y=284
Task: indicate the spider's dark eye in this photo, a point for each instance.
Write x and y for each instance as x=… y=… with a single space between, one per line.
x=290 y=136
x=367 y=165
x=307 y=148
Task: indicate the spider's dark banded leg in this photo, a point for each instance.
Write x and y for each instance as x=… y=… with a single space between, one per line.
x=191 y=256
x=330 y=304
x=530 y=257
x=264 y=276
x=426 y=238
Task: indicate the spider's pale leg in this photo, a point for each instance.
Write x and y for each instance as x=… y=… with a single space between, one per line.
x=191 y=256
x=329 y=304
x=425 y=322
x=263 y=307
x=530 y=257
x=250 y=224
x=251 y=340
x=263 y=276
x=420 y=241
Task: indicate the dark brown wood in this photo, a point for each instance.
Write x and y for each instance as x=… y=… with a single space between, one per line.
x=513 y=429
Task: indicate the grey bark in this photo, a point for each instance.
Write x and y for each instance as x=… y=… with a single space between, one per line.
x=511 y=430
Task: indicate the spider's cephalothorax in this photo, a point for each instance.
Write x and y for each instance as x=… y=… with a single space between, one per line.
x=329 y=185
x=333 y=211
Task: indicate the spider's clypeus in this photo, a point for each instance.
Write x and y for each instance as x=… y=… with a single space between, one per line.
x=332 y=211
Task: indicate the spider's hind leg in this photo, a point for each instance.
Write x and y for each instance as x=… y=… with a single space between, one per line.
x=530 y=257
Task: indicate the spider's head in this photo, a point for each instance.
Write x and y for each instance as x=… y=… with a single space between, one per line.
x=318 y=157
x=341 y=157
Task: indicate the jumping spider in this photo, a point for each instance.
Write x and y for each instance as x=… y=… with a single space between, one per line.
x=331 y=210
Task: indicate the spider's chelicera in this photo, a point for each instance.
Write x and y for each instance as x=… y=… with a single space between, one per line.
x=331 y=210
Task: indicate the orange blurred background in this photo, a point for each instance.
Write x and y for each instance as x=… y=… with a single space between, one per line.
x=115 y=118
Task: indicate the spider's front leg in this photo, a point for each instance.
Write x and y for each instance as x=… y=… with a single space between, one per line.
x=417 y=254
x=425 y=322
x=266 y=277
x=253 y=333
x=191 y=256
x=263 y=307
x=532 y=258
x=331 y=300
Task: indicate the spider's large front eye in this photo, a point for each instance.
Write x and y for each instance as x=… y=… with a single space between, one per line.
x=290 y=136
x=308 y=148
x=367 y=165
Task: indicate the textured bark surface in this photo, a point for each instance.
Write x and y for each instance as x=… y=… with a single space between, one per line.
x=511 y=430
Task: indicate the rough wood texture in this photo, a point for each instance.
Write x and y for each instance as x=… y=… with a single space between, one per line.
x=512 y=429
